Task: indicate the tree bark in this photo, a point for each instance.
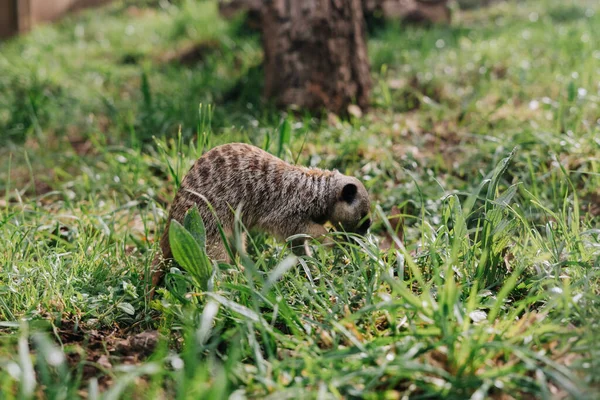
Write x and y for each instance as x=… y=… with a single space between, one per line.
x=315 y=54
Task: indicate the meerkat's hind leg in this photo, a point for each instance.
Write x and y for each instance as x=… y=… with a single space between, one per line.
x=217 y=251
x=239 y=246
x=223 y=248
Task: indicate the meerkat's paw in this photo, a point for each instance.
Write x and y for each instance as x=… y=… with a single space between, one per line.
x=300 y=246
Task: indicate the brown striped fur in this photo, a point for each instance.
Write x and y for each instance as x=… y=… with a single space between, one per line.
x=274 y=196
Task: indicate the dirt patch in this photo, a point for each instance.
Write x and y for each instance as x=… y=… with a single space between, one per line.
x=591 y=204
x=82 y=146
x=99 y=350
x=29 y=184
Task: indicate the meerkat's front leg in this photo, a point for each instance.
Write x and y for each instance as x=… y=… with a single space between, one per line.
x=314 y=230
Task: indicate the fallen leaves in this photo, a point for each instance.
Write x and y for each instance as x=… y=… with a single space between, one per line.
x=100 y=349
x=142 y=344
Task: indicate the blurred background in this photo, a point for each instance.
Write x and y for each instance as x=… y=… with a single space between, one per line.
x=438 y=77
x=104 y=106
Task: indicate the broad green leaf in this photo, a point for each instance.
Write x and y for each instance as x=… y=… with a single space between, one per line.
x=195 y=226
x=189 y=255
x=126 y=308
x=505 y=198
x=177 y=283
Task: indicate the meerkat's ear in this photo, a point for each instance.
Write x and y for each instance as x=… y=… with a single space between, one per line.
x=349 y=193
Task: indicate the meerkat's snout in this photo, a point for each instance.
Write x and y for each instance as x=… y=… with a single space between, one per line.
x=364 y=226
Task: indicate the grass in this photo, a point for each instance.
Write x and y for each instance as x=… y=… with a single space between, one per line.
x=483 y=137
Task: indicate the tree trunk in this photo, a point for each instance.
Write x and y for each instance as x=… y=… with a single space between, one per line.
x=315 y=54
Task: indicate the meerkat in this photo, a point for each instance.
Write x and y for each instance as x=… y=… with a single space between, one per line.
x=275 y=197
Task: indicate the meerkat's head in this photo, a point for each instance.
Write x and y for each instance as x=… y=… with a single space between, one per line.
x=352 y=206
